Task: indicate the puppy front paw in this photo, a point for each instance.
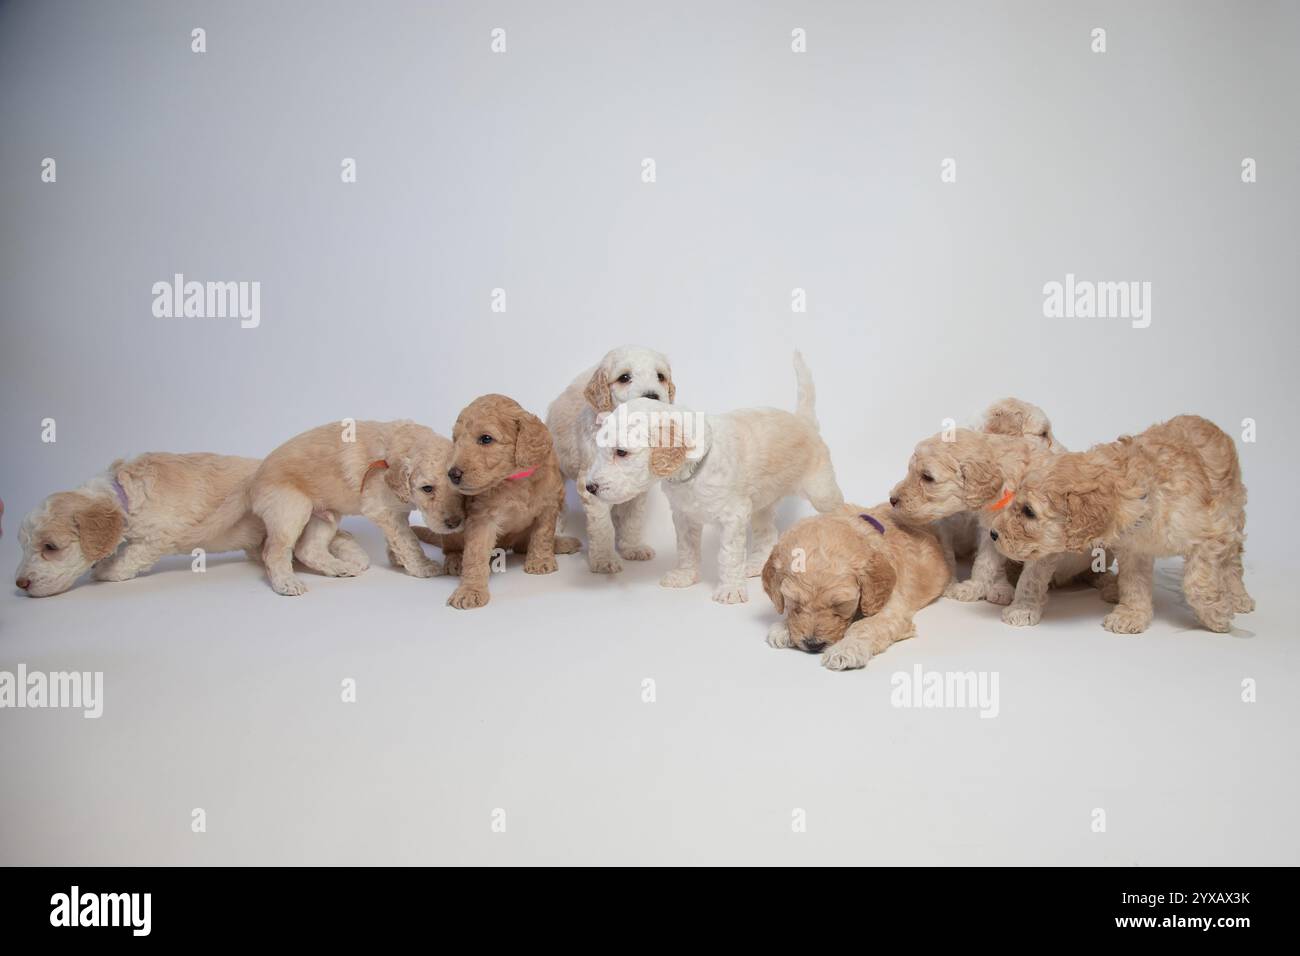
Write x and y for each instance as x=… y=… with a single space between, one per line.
x=679 y=578
x=636 y=552
x=466 y=598
x=1243 y=603
x=731 y=593
x=423 y=569
x=451 y=563
x=111 y=571
x=778 y=635
x=1022 y=615
x=967 y=590
x=754 y=568
x=1126 y=620
x=567 y=545
x=1218 y=619
x=289 y=587
x=605 y=564
x=541 y=564
x=846 y=656
x=1000 y=593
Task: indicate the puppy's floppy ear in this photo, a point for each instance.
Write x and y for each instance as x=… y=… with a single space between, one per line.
x=99 y=526
x=876 y=581
x=981 y=480
x=772 y=581
x=672 y=388
x=668 y=453
x=398 y=477
x=532 y=441
x=598 y=392
x=1088 y=514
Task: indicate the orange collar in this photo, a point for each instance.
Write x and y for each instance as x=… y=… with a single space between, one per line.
x=1002 y=502
x=520 y=474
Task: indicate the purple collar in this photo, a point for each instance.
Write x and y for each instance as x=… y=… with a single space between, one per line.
x=873 y=522
x=121 y=495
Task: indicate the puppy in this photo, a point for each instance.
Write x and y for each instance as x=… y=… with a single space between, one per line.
x=503 y=462
x=850 y=583
x=730 y=470
x=623 y=374
x=1175 y=489
x=383 y=470
x=123 y=521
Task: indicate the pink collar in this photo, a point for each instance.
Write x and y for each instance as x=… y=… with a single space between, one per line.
x=520 y=474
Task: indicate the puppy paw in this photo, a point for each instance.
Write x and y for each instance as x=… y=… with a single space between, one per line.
x=567 y=545
x=636 y=552
x=679 y=578
x=846 y=656
x=778 y=635
x=289 y=587
x=964 y=591
x=451 y=563
x=111 y=571
x=1243 y=603
x=465 y=598
x=1001 y=593
x=423 y=569
x=754 y=568
x=1218 y=620
x=731 y=593
x=1022 y=615
x=541 y=565
x=606 y=564
x=1125 y=620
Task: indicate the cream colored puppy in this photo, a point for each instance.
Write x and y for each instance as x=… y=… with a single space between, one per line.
x=731 y=470
x=1175 y=489
x=625 y=373
x=383 y=470
x=139 y=510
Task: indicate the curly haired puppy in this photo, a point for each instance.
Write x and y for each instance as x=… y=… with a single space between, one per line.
x=731 y=470
x=383 y=470
x=123 y=521
x=503 y=461
x=1175 y=489
x=850 y=583
x=622 y=375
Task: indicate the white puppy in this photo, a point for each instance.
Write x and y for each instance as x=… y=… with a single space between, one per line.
x=624 y=374
x=123 y=521
x=730 y=470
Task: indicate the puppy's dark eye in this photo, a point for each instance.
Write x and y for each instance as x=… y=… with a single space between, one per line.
x=621 y=452
x=1042 y=434
x=926 y=476
x=485 y=439
x=427 y=489
x=625 y=377
x=1027 y=511
x=50 y=546
x=663 y=377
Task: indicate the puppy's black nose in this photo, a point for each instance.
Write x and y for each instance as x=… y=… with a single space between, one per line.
x=814 y=645
x=592 y=487
x=23 y=583
x=893 y=501
x=993 y=534
x=654 y=395
x=455 y=475
x=451 y=523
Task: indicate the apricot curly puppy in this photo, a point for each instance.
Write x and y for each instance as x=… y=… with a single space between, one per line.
x=383 y=470
x=503 y=461
x=123 y=521
x=850 y=583
x=1175 y=489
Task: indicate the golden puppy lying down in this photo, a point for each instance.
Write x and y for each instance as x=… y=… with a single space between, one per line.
x=849 y=583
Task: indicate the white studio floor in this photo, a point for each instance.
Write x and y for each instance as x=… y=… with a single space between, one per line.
x=220 y=695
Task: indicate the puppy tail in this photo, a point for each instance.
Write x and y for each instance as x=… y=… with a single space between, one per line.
x=227 y=514
x=806 y=394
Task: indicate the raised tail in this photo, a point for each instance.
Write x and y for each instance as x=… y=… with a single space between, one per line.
x=806 y=394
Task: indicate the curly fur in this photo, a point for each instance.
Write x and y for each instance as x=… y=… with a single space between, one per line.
x=847 y=590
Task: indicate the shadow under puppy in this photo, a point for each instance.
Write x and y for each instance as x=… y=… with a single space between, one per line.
x=850 y=583
x=123 y=521
x=1175 y=489
x=382 y=470
x=625 y=373
x=503 y=461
